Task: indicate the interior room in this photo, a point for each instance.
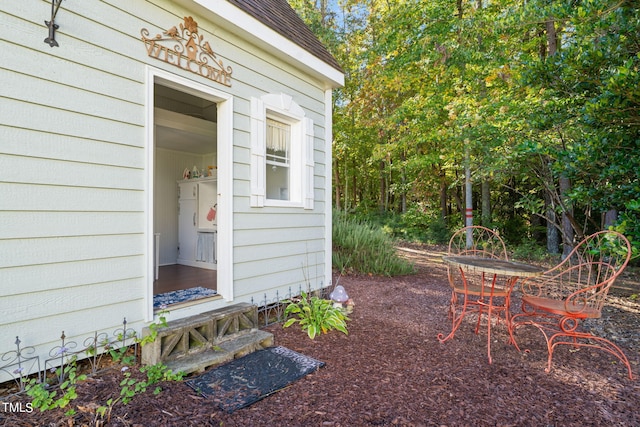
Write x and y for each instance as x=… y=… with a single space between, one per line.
x=185 y=191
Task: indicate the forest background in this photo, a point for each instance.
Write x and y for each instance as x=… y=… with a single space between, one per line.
x=538 y=99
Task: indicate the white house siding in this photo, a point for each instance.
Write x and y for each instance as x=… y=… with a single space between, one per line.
x=73 y=214
x=72 y=177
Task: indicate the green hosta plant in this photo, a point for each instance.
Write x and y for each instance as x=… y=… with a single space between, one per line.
x=316 y=315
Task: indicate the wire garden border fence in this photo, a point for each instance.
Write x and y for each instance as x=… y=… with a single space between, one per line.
x=22 y=363
x=271 y=310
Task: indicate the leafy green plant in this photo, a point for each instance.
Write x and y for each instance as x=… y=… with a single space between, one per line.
x=155 y=373
x=105 y=410
x=45 y=397
x=153 y=328
x=364 y=248
x=316 y=315
x=529 y=250
x=119 y=355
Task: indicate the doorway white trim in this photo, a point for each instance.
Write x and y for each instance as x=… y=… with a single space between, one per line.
x=224 y=103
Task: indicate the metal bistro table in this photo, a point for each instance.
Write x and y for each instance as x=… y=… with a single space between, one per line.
x=510 y=270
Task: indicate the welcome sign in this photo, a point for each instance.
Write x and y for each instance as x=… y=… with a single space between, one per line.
x=186 y=49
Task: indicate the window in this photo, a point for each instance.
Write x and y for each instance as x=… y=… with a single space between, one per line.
x=278 y=146
x=282 y=165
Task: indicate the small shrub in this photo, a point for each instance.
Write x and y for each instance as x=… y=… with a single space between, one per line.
x=363 y=248
x=438 y=232
x=529 y=250
x=316 y=315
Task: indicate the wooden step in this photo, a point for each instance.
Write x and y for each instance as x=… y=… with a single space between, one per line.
x=227 y=351
x=197 y=342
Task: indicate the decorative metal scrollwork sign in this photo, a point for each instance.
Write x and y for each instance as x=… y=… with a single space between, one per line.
x=186 y=49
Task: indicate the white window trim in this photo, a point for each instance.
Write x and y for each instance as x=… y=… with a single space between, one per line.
x=301 y=185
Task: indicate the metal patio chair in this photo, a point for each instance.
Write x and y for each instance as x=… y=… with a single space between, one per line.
x=560 y=300
x=475 y=292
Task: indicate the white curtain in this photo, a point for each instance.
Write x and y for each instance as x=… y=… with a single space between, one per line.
x=206 y=249
x=278 y=135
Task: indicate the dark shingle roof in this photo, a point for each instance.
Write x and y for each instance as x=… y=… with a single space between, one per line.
x=280 y=17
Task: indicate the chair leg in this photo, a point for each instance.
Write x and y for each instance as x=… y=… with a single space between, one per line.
x=601 y=344
x=456 y=319
x=489 y=329
x=452 y=305
x=565 y=336
x=480 y=306
x=512 y=325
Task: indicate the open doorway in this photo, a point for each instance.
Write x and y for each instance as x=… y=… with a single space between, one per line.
x=185 y=192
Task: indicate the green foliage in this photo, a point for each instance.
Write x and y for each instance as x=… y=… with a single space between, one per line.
x=153 y=328
x=363 y=248
x=45 y=397
x=629 y=224
x=104 y=412
x=122 y=355
x=428 y=81
x=155 y=373
x=416 y=225
x=315 y=315
x=438 y=232
x=529 y=251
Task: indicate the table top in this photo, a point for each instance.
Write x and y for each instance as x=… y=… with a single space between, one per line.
x=494 y=266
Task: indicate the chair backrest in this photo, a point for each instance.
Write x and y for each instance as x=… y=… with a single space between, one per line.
x=481 y=242
x=476 y=241
x=584 y=277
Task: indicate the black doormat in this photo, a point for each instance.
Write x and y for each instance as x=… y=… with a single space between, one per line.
x=248 y=379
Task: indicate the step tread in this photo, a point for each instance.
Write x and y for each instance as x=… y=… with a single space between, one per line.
x=225 y=352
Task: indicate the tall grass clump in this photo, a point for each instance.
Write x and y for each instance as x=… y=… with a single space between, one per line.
x=362 y=248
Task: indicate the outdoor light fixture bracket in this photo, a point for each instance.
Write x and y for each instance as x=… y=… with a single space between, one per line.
x=51 y=40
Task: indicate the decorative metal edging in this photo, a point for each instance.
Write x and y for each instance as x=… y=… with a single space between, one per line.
x=271 y=310
x=20 y=361
x=20 y=365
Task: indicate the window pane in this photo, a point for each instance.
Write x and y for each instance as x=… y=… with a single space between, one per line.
x=277 y=182
x=278 y=136
x=277 y=158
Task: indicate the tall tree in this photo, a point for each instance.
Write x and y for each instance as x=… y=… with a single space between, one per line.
x=543 y=96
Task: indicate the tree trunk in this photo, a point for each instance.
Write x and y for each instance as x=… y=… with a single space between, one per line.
x=403 y=179
x=610 y=218
x=457 y=198
x=565 y=183
x=443 y=194
x=337 y=185
x=553 y=242
x=486 y=203
x=552 y=37
x=567 y=227
x=354 y=187
x=381 y=204
x=468 y=192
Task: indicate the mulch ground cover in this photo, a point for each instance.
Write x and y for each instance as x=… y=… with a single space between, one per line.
x=392 y=371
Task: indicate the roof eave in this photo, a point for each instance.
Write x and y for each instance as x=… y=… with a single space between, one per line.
x=239 y=22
